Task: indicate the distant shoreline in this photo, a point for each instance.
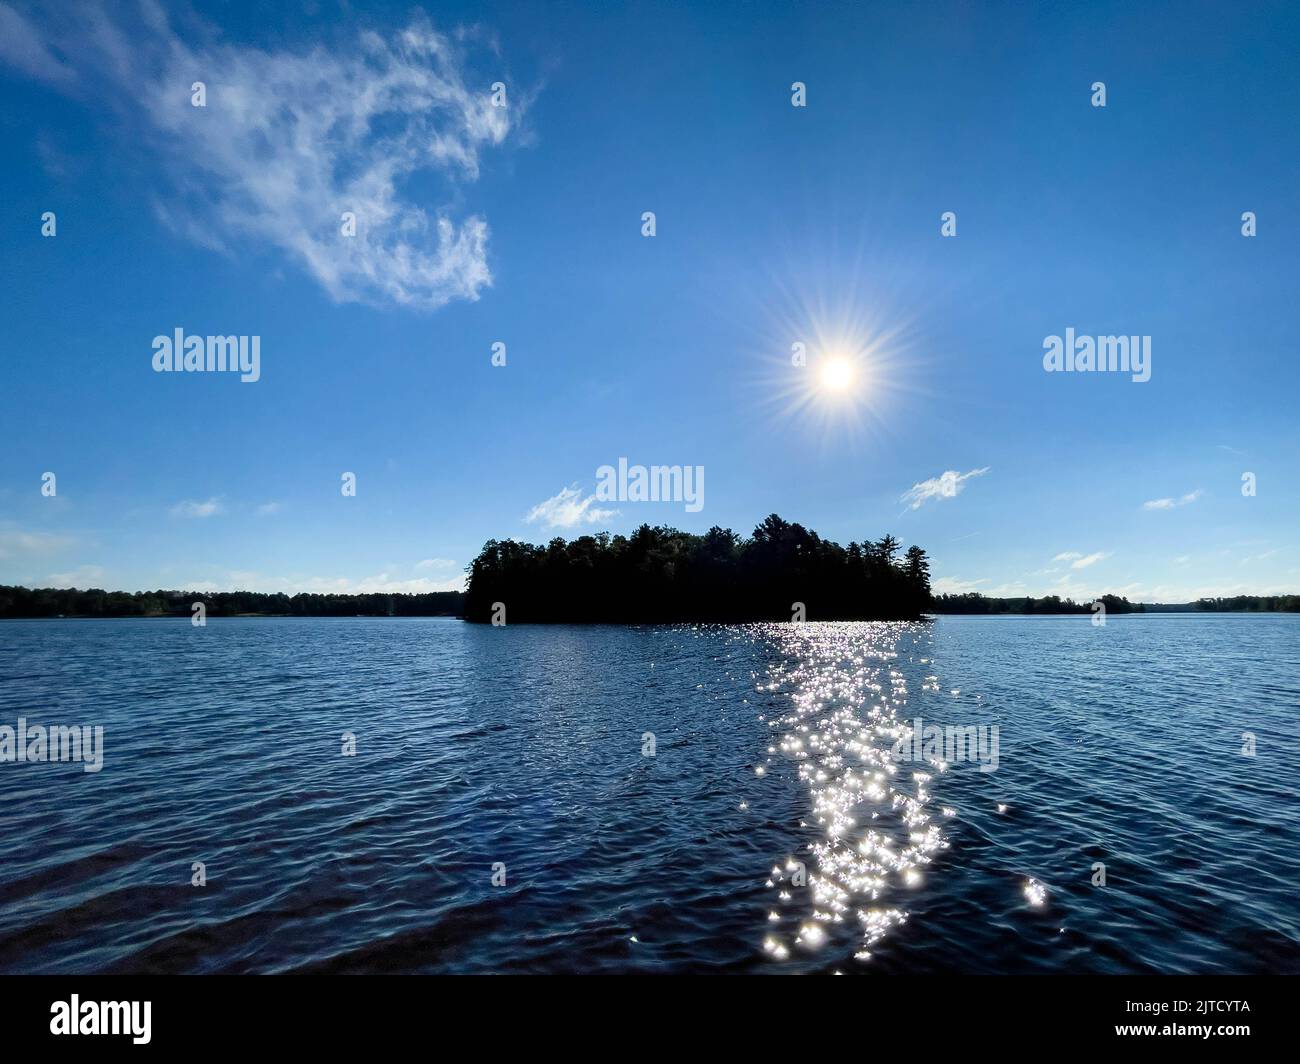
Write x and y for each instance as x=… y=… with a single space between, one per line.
x=90 y=604
x=976 y=605
x=19 y=603
x=1163 y=612
x=1262 y=606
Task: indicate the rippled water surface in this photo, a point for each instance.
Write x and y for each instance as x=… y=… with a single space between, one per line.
x=776 y=828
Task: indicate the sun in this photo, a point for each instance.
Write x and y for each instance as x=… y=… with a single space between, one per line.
x=837 y=367
x=836 y=375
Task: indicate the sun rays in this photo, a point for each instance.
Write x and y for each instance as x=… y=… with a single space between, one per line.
x=842 y=380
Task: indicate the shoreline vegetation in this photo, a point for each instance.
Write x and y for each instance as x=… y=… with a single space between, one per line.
x=974 y=604
x=654 y=575
x=35 y=603
x=21 y=603
x=658 y=574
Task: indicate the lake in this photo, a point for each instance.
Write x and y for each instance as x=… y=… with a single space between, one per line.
x=656 y=799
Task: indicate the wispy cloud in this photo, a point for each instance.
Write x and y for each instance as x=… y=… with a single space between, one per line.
x=380 y=583
x=1170 y=503
x=83 y=576
x=951 y=585
x=569 y=508
x=22 y=46
x=435 y=563
x=1014 y=589
x=1251 y=558
x=291 y=138
x=206 y=586
x=1077 y=560
x=268 y=508
x=945 y=486
x=208 y=508
x=15 y=542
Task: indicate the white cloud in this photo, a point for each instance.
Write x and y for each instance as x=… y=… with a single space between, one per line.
x=945 y=486
x=197 y=509
x=1189 y=593
x=382 y=583
x=290 y=138
x=951 y=585
x=1015 y=589
x=16 y=542
x=84 y=576
x=1169 y=504
x=423 y=585
x=436 y=563
x=201 y=585
x=270 y=508
x=569 y=508
x=1077 y=560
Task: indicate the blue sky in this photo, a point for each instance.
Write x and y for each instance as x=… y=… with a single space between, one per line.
x=775 y=224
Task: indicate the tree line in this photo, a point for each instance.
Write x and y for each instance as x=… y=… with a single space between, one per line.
x=1250 y=604
x=655 y=574
x=660 y=574
x=16 y=602
x=974 y=603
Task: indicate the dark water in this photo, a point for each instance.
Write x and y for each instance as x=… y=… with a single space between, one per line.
x=523 y=745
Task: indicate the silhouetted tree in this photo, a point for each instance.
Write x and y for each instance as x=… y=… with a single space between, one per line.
x=662 y=574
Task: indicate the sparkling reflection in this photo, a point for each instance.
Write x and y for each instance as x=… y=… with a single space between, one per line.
x=873 y=831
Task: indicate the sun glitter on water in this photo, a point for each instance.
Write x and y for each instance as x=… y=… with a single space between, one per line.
x=873 y=834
